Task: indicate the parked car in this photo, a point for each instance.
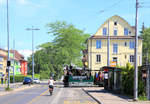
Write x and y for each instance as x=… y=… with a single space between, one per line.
x=27 y=80
x=36 y=81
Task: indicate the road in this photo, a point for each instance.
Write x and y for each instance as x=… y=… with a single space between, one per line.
x=40 y=95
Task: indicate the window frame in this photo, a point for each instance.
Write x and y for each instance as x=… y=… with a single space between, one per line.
x=115 y=32
x=1 y=59
x=115 y=23
x=1 y=66
x=98 y=58
x=115 y=48
x=132 y=44
x=131 y=58
x=98 y=44
x=126 y=31
x=104 y=31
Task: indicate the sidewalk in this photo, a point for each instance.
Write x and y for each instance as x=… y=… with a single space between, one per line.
x=105 y=97
x=14 y=86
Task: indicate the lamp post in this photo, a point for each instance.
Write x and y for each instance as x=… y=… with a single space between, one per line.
x=32 y=29
x=136 y=54
x=8 y=59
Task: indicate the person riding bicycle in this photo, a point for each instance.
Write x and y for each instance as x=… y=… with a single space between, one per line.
x=51 y=83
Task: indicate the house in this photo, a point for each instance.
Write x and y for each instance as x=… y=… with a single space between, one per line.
x=3 y=61
x=18 y=63
x=113 y=44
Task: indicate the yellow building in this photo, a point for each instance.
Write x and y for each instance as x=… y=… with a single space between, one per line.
x=121 y=44
x=3 y=61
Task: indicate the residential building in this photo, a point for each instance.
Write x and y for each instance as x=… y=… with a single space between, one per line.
x=121 y=44
x=3 y=62
x=18 y=63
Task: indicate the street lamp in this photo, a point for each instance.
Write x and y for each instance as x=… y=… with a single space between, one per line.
x=32 y=29
x=8 y=59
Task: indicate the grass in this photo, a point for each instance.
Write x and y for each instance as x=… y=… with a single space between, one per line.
x=142 y=98
x=8 y=89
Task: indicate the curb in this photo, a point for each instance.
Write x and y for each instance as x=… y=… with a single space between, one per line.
x=99 y=102
x=16 y=90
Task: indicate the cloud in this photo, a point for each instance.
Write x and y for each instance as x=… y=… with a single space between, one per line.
x=27 y=2
x=26 y=53
x=24 y=2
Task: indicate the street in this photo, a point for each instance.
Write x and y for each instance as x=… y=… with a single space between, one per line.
x=40 y=95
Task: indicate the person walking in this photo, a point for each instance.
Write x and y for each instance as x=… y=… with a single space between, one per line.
x=2 y=79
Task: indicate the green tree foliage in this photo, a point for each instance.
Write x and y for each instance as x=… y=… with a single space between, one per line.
x=128 y=80
x=64 y=49
x=68 y=40
x=146 y=43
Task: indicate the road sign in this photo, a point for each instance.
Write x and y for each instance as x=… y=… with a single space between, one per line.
x=113 y=63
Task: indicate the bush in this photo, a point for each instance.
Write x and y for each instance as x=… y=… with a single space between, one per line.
x=18 y=78
x=128 y=81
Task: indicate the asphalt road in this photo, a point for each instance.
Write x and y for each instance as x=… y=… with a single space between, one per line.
x=40 y=95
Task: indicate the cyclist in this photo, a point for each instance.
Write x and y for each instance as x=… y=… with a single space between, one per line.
x=51 y=84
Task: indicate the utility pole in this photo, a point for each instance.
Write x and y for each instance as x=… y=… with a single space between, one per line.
x=32 y=29
x=108 y=42
x=147 y=78
x=136 y=54
x=8 y=59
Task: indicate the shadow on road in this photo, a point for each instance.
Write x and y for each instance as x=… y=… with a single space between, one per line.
x=110 y=92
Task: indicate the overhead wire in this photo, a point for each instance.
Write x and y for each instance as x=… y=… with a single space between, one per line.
x=111 y=6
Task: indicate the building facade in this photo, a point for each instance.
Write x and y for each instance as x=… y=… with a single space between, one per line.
x=3 y=62
x=113 y=43
x=18 y=63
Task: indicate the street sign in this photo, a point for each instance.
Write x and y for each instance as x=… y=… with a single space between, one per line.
x=113 y=63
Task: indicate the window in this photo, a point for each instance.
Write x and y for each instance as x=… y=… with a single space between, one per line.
x=104 y=31
x=129 y=32
x=131 y=44
x=126 y=31
x=1 y=59
x=125 y=56
x=115 y=48
x=115 y=32
x=115 y=23
x=131 y=58
x=1 y=66
x=98 y=44
x=98 y=58
x=125 y=44
x=114 y=59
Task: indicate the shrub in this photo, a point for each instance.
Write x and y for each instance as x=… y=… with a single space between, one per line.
x=18 y=78
x=128 y=81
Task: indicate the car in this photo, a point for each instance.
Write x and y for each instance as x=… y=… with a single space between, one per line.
x=36 y=81
x=27 y=80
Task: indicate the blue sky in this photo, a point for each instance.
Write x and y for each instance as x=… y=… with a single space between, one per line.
x=84 y=14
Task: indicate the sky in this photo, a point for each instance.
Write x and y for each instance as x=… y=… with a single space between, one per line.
x=86 y=15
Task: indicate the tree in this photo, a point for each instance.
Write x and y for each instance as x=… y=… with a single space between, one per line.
x=64 y=49
x=146 y=43
x=68 y=40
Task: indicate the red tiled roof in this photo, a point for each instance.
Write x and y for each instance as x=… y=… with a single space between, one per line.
x=18 y=56
x=3 y=55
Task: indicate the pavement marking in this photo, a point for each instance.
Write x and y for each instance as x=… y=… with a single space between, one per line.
x=37 y=97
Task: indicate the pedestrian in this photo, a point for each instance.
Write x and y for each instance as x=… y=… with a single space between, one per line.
x=6 y=79
x=2 y=80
